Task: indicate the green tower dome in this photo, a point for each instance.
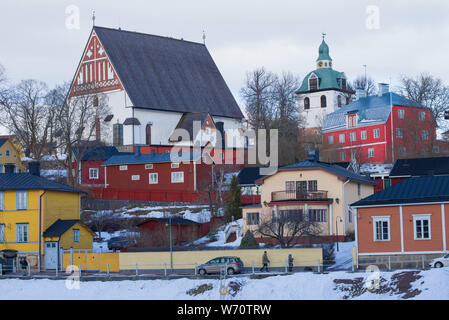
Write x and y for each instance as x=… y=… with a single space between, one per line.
x=324 y=52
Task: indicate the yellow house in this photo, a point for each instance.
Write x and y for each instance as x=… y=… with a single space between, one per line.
x=10 y=154
x=312 y=191
x=40 y=218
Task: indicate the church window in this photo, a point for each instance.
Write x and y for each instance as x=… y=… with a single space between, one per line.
x=117 y=133
x=323 y=102
x=306 y=103
x=313 y=83
x=339 y=101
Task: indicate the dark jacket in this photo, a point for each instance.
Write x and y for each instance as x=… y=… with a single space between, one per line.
x=290 y=259
x=265 y=259
x=23 y=263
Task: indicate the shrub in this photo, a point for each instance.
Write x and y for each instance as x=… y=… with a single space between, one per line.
x=248 y=240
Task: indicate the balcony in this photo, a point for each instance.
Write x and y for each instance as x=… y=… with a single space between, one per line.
x=299 y=196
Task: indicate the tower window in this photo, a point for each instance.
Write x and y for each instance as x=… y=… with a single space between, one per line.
x=339 y=101
x=323 y=102
x=313 y=83
x=306 y=103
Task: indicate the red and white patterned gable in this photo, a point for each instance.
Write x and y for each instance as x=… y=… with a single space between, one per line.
x=95 y=73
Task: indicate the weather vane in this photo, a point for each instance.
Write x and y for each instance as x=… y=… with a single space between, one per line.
x=204 y=37
x=93 y=18
x=324 y=35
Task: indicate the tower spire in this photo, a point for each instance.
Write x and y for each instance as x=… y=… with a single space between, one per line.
x=204 y=37
x=93 y=18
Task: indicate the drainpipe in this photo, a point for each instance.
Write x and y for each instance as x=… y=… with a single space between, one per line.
x=344 y=208
x=40 y=232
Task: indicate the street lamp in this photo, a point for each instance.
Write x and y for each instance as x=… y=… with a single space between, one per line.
x=171 y=244
x=338 y=219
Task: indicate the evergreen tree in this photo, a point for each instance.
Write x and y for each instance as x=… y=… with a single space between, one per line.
x=233 y=207
x=248 y=240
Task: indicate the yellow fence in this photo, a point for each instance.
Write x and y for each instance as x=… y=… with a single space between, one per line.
x=188 y=259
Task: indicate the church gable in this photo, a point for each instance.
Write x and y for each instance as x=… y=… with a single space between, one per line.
x=95 y=73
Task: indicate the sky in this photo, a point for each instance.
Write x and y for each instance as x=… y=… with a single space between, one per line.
x=43 y=40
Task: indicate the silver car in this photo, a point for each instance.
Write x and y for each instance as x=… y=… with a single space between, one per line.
x=440 y=262
x=230 y=264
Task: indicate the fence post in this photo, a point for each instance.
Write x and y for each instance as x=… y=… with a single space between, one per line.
x=422 y=259
x=137 y=270
x=389 y=263
x=1 y=270
x=29 y=270
x=252 y=266
x=319 y=267
x=56 y=271
x=286 y=266
x=196 y=268
x=165 y=269
x=14 y=266
x=71 y=256
x=107 y=269
x=80 y=270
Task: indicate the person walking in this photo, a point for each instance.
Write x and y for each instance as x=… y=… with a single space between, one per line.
x=265 y=261
x=24 y=265
x=290 y=262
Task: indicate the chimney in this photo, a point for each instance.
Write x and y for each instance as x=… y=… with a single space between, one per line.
x=313 y=156
x=360 y=93
x=383 y=88
x=34 y=168
x=138 y=151
x=9 y=168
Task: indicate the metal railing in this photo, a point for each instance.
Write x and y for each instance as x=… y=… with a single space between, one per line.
x=298 y=195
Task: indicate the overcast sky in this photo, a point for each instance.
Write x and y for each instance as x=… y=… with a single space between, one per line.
x=406 y=37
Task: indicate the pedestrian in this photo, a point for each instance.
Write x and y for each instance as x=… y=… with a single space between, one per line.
x=290 y=262
x=265 y=261
x=24 y=265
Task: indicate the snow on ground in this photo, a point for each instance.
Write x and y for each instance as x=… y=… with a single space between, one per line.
x=343 y=257
x=54 y=173
x=221 y=241
x=422 y=285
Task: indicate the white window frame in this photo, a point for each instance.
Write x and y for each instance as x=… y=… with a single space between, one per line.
x=2 y=201
x=353 y=154
x=330 y=139
x=363 y=135
x=149 y=166
x=371 y=153
x=2 y=233
x=179 y=179
x=76 y=235
x=402 y=151
x=399 y=133
x=422 y=217
x=153 y=181
x=135 y=177
x=425 y=135
x=353 y=136
x=401 y=113
x=175 y=165
x=22 y=233
x=123 y=168
x=381 y=219
x=21 y=201
x=342 y=155
x=95 y=176
x=341 y=138
x=422 y=115
x=376 y=133
x=8 y=153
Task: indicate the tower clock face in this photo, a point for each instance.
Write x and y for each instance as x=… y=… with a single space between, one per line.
x=320 y=64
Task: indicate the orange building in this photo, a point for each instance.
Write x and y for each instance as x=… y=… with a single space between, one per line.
x=407 y=223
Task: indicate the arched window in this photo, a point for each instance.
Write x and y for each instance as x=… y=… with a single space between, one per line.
x=348 y=101
x=148 y=134
x=339 y=101
x=323 y=102
x=313 y=82
x=306 y=103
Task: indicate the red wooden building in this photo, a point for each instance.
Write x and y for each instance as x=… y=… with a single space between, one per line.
x=378 y=129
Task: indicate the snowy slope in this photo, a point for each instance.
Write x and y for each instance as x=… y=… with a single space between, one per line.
x=431 y=284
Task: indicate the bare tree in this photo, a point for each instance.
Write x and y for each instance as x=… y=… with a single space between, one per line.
x=100 y=219
x=286 y=229
x=78 y=122
x=367 y=83
x=430 y=92
x=28 y=113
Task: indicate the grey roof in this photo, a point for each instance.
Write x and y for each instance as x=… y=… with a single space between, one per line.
x=98 y=153
x=27 y=181
x=58 y=228
x=186 y=123
x=152 y=158
x=370 y=110
x=431 y=189
x=420 y=167
x=333 y=168
x=168 y=74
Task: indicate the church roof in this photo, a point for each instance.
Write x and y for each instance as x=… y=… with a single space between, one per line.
x=328 y=78
x=187 y=123
x=162 y=73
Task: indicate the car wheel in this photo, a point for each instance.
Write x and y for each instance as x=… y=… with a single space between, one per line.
x=231 y=271
x=438 y=265
x=202 y=272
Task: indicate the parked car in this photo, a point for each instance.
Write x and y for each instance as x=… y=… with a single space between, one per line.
x=121 y=242
x=440 y=262
x=232 y=265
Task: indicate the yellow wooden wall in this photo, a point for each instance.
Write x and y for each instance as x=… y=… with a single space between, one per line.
x=86 y=238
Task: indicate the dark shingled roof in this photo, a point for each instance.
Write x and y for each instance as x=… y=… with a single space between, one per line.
x=186 y=123
x=100 y=153
x=249 y=175
x=3 y=141
x=432 y=189
x=152 y=158
x=420 y=167
x=58 y=228
x=27 y=181
x=162 y=73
